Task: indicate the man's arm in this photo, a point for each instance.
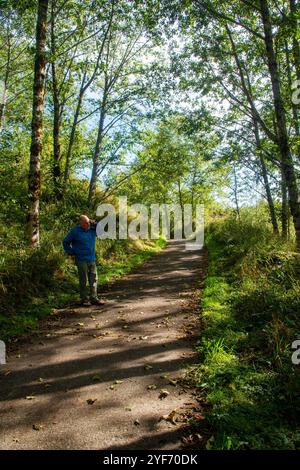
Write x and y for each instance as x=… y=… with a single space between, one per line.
x=67 y=243
x=93 y=224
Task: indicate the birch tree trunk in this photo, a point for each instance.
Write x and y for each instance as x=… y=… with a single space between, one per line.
x=34 y=179
x=280 y=113
x=4 y=84
x=266 y=180
x=56 y=114
x=96 y=163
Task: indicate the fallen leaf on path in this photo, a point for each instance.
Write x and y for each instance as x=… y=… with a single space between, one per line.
x=118 y=381
x=170 y=417
x=163 y=393
x=148 y=367
x=112 y=387
x=143 y=338
x=37 y=427
x=128 y=408
x=173 y=382
x=137 y=422
x=80 y=324
x=30 y=397
x=91 y=401
x=96 y=377
x=152 y=387
x=7 y=372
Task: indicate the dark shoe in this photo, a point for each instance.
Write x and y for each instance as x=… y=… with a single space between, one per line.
x=97 y=302
x=85 y=303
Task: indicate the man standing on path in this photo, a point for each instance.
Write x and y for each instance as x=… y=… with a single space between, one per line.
x=80 y=244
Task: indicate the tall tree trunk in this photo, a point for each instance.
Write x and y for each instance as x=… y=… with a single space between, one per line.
x=34 y=179
x=193 y=190
x=181 y=204
x=284 y=207
x=294 y=107
x=180 y=195
x=96 y=163
x=56 y=136
x=266 y=179
x=73 y=131
x=235 y=192
x=287 y=162
x=56 y=114
x=3 y=92
x=296 y=50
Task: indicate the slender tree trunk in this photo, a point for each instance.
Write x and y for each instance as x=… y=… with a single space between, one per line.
x=293 y=106
x=284 y=207
x=56 y=113
x=193 y=191
x=269 y=195
x=287 y=162
x=181 y=204
x=266 y=180
x=96 y=163
x=180 y=195
x=296 y=50
x=56 y=136
x=73 y=131
x=34 y=180
x=236 y=199
x=3 y=92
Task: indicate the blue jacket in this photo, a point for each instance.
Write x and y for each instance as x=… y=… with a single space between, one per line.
x=81 y=243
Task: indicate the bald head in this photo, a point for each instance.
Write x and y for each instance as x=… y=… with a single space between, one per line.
x=84 y=222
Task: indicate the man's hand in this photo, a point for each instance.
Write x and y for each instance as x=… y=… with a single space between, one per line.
x=93 y=222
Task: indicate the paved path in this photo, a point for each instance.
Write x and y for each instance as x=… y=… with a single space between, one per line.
x=92 y=377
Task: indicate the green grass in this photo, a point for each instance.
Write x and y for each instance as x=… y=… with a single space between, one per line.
x=250 y=309
x=114 y=269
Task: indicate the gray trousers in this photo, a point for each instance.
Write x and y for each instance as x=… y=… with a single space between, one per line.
x=87 y=272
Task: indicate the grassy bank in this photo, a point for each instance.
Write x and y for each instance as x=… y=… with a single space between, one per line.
x=250 y=308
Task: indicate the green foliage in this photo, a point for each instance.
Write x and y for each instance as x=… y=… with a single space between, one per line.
x=250 y=315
